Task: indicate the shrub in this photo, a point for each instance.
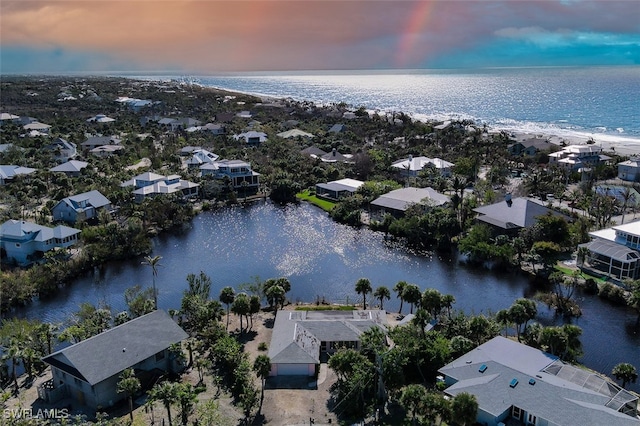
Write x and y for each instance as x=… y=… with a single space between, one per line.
x=262 y=346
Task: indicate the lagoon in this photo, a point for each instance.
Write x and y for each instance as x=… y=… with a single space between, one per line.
x=324 y=259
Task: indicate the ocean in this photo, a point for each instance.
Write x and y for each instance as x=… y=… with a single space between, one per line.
x=602 y=103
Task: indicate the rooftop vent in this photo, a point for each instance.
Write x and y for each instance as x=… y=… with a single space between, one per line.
x=513 y=383
x=483 y=368
x=532 y=382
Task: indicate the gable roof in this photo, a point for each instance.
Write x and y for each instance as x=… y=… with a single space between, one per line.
x=418 y=163
x=11 y=171
x=21 y=230
x=111 y=352
x=560 y=397
x=313 y=151
x=92 y=198
x=401 y=199
x=520 y=213
x=294 y=133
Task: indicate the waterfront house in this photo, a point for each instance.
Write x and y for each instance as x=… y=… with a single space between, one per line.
x=239 y=173
x=300 y=337
x=62 y=149
x=252 y=137
x=80 y=207
x=575 y=157
x=517 y=384
x=71 y=168
x=614 y=252
x=9 y=172
x=25 y=241
x=151 y=184
x=412 y=166
x=398 y=201
x=511 y=215
x=338 y=188
x=629 y=170
x=89 y=371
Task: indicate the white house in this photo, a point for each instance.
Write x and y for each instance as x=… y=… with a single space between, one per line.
x=412 y=166
x=338 y=188
x=100 y=118
x=80 y=207
x=252 y=137
x=615 y=251
x=37 y=127
x=151 y=184
x=629 y=170
x=574 y=157
x=201 y=156
x=22 y=241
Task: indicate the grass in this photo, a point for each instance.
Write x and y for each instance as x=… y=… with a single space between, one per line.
x=325 y=308
x=325 y=205
x=569 y=271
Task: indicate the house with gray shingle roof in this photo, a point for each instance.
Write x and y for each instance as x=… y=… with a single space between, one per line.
x=71 y=168
x=80 y=207
x=62 y=149
x=300 y=337
x=512 y=215
x=22 y=241
x=9 y=172
x=513 y=382
x=89 y=370
x=398 y=201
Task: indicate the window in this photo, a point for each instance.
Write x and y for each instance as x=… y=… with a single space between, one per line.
x=516 y=413
x=160 y=356
x=531 y=419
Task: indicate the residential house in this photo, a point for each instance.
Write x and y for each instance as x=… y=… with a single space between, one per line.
x=335 y=157
x=529 y=147
x=237 y=171
x=511 y=215
x=252 y=137
x=37 y=127
x=338 y=188
x=9 y=172
x=179 y=123
x=398 y=201
x=96 y=141
x=63 y=150
x=214 y=129
x=313 y=152
x=337 y=128
x=244 y=114
x=23 y=241
x=136 y=105
x=294 y=133
x=201 y=156
x=629 y=170
x=80 y=207
x=71 y=168
x=150 y=184
x=517 y=384
x=412 y=166
x=89 y=371
x=6 y=118
x=300 y=337
x=106 y=150
x=188 y=150
x=615 y=252
x=100 y=118
x=576 y=157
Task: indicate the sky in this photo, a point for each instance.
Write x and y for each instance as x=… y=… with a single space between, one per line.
x=222 y=36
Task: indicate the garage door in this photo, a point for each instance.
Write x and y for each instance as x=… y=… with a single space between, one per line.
x=293 y=369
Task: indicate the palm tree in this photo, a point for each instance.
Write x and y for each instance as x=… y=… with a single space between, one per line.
x=412 y=295
x=227 y=296
x=464 y=408
x=399 y=289
x=154 y=263
x=240 y=307
x=186 y=397
x=447 y=302
x=382 y=293
x=129 y=385
x=413 y=400
x=503 y=318
x=262 y=367
x=363 y=287
x=625 y=372
x=167 y=393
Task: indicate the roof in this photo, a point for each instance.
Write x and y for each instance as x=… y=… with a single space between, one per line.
x=106 y=148
x=111 y=352
x=70 y=166
x=401 y=199
x=100 y=140
x=418 y=163
x=350 y=185
x=22 y=230
x=10 y=171
x=613 y=250
x=294 y=133
x=313 y=151
x=519 y=213
x=36 y=125
x=92 y=198
x=297 y=335
x=541 y=387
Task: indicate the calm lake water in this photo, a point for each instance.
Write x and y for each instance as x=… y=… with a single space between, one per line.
x=324 y=259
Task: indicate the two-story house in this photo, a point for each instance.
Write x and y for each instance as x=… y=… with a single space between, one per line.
x=615 y=251
x=80 y=207
x=24 y=241
x=574 y=157
x=237 y=171
x=412 y=166
x=151 y=184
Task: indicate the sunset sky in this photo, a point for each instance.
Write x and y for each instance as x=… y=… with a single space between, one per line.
x=207 y=36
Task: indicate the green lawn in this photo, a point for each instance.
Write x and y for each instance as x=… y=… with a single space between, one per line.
x=325 y=205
